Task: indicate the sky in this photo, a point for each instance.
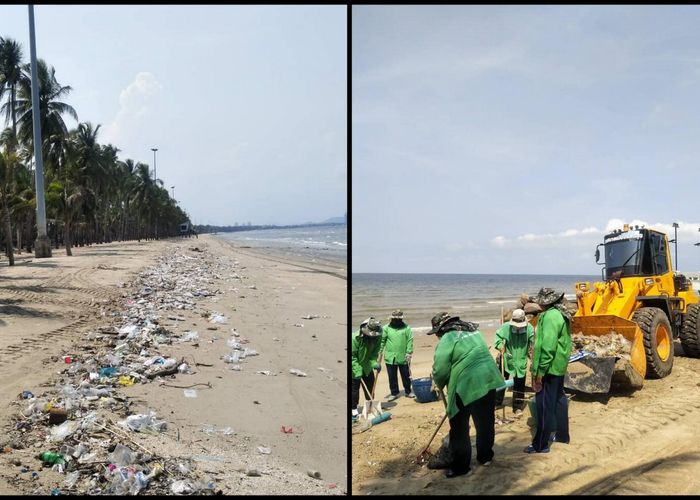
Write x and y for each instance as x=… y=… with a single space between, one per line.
x=247 y=105
x=509 y=139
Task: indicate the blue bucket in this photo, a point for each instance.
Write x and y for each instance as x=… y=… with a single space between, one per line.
x=421 y=388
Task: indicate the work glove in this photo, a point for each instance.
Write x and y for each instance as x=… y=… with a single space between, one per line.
x=408 y=357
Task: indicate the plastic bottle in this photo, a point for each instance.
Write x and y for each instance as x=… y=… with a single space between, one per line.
x=52 y=457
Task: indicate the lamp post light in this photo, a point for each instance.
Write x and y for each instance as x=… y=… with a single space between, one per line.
x=155 y=172
x=42 y=246
x=173 y=188
x=675 y=241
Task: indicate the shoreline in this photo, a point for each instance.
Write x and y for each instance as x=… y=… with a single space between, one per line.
x=81 y=295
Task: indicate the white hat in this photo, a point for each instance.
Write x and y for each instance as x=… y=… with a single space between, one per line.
x=518 y=319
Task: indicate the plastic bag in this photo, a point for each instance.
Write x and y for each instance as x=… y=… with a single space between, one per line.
x=122 y=456
x=218 y=318
x=72 y=478
x=64 y=430
x=141 y=423
x=191 y=336
x=234 y=357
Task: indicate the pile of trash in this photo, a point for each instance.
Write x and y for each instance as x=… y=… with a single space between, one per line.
x=83 y=428
x=610 y=344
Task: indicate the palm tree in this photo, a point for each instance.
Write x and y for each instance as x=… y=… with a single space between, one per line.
x=51 y=110
x=10 y=76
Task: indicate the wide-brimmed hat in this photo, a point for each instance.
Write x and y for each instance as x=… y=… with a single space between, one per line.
x=440 y=319
x=371 y=327
x=397 y=314
x=518 y=319
x=548 y=296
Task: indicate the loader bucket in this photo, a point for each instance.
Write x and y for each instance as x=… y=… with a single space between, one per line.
x=594 y=375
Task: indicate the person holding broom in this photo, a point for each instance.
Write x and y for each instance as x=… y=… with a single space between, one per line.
x=366 y=343
x=463 y=363
x=514 y=341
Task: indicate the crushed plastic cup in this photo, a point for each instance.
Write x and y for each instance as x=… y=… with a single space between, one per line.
x=296 y=372
x=190 y=393
x=184 y=368
x=264 y=451
x=67 y=359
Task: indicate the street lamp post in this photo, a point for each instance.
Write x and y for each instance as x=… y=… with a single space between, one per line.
x=42 y=246
x=173 y=188
x=155 y=172
x=675 y=240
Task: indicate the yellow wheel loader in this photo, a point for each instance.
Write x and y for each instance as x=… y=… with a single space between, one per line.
x=640 y=298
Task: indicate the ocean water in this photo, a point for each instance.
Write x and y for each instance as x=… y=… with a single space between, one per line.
x=472 y=297
x=325 y=243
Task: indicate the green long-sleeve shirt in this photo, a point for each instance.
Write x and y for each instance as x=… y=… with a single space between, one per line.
x=364 y=355
x=462 y=362
x=517 y=347
x=396 y=343
x=550 y=355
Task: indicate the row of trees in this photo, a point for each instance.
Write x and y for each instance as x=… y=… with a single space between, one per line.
x=92 y=196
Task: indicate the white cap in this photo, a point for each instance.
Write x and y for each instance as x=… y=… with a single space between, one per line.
x=518 y=319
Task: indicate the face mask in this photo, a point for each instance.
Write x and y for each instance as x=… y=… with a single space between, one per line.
x=521 y=330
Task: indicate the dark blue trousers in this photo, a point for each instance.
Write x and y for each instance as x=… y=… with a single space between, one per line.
x=393 y=379
x=552 y=412
x=482 y=412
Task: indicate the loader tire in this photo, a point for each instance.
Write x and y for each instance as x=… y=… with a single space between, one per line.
x=690 y=332
x=658 y=340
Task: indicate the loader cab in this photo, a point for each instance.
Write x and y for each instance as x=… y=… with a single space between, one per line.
x=635 y=252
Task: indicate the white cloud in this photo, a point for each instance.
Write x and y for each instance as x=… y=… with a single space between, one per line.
x=133 y=106
x=569 y=232
x=499 y=241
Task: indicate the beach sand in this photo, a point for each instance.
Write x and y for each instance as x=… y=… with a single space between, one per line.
x=639 y=443
x=50 y=306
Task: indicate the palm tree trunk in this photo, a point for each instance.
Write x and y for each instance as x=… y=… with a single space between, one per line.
x=66 y=238
x=8 y=232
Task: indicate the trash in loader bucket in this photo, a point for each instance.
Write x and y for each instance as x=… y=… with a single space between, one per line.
x=590 y=374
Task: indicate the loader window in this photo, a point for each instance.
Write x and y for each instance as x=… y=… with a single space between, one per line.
x=658 y=248
x=623 y=255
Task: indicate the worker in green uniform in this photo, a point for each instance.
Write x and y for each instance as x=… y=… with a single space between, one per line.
x=463 y=362
x=514 y=340
x=365 y=349
x=397 y=347
x=550 y=358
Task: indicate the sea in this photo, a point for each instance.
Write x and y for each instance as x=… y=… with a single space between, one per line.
x=472 y=297
x=327 y=244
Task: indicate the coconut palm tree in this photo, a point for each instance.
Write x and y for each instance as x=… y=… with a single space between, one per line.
x=51 y=109
x=10 y=75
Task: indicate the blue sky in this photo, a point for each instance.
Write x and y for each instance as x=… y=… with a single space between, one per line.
x=508 y=139
x=246 y=104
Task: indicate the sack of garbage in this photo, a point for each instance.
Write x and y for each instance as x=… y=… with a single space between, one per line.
x=443 y=458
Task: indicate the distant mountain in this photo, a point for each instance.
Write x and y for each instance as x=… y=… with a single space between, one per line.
x=334 y=220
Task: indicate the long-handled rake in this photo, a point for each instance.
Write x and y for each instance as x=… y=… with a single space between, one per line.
x=425 y=453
